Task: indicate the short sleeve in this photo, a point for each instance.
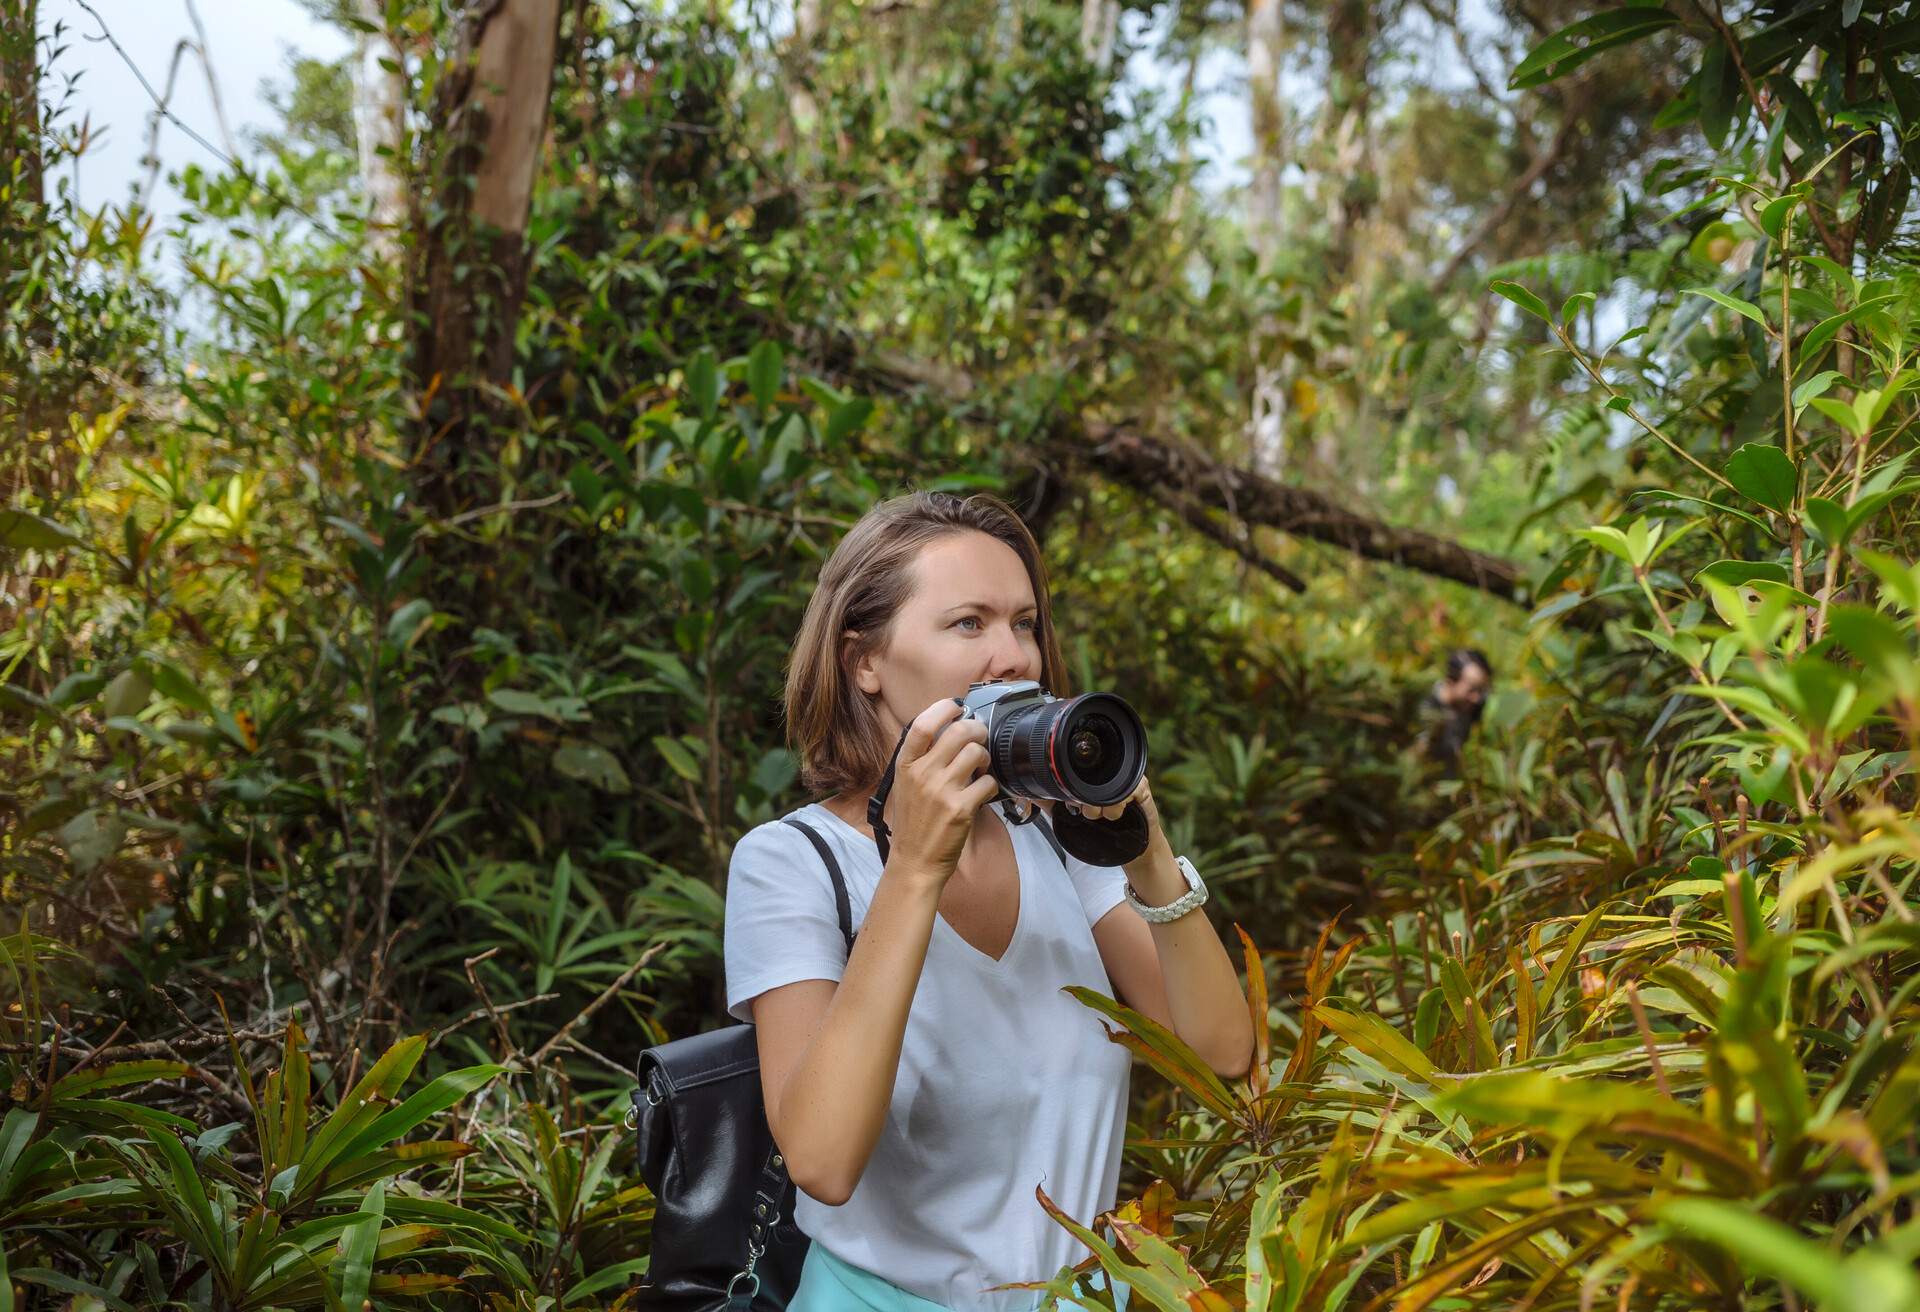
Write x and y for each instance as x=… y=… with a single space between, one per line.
x=1101 y=888
x=781 y=926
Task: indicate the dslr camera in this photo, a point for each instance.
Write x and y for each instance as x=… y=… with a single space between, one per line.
x=1090 y=750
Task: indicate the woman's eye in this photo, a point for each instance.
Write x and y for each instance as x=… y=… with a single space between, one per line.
x=966 y=619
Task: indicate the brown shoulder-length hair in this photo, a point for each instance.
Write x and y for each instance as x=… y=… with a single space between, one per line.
x=833 y=727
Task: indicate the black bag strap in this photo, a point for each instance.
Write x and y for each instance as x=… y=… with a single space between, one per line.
x=841 y=906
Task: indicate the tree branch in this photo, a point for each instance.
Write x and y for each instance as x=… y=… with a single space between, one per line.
x=1218 y=532
x=1149 y=464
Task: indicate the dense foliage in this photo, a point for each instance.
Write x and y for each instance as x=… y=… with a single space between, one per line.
x=355 y=839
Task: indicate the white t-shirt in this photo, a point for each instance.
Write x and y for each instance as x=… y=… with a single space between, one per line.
x=1005 y=1082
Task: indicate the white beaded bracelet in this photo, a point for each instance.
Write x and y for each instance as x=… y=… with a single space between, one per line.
x=1195 y=896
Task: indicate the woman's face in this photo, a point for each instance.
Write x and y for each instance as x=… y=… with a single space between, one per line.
x=970 y=618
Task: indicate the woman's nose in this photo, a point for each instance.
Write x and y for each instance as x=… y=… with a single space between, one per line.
x=1009 y=658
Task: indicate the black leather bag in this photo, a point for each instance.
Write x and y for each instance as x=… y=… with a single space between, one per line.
x=724 y=1239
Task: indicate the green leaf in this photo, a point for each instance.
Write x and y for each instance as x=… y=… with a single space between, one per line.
x=1821 y=333
x=775 y=772
x=174 y=683
x=1881 y=645
x=1814 y=386
x=406 y=624
x=764 y=367
x=1735 y=573
x=1762 y=1244
x=436 y=1097
x=1746 y=309
x=847 y=419
x=563 y=709
x=1574 y=304
x=22 y=531
x=603 y=1279
x=1162 y=1047
x=1763 y=474
x=1563 y=964
x=1716 y=506
x=127 y=694
x=358 y=1243
x=1576 y=43
x=678 y=758
x=1829 y=520
x=704 y=383
x=1841 y=414
x=1521 y=297
x=1608 y=539
x=78 y=687
x=91 y=838
x=115 y=1076
x=1773 y=218
x=360 y=1108
x=1377 y=1039
x=592 y=764
x=1900 y=582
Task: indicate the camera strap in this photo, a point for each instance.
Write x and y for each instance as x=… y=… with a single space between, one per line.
x=877 y=804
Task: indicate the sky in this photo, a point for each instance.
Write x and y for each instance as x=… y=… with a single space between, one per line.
x=253 y=41
x=250 y=42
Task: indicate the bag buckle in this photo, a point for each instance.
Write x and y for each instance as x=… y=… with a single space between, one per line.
x=736 y=1299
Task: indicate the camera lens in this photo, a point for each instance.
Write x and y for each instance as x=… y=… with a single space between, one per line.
x=1090 y=749
x=1095 y=749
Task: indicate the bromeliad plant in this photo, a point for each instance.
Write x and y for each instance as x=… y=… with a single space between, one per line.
x=1668 y=1057
x=160 y=1213
x=129 y=1204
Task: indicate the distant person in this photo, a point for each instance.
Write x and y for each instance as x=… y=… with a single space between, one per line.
x=1453 y=705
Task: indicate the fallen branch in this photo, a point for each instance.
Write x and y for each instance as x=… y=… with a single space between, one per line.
x=1148 y=464
x=1151 y=465
x=1206 y=525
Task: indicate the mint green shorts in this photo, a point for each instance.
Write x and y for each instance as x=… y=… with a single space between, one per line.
x=828 y=1284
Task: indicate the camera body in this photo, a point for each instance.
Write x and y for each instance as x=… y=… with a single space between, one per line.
x=1090 y=749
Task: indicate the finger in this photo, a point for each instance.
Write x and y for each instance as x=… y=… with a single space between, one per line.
x=980 y=792
x=926 y=727
x=953 y=739
x=968 y=761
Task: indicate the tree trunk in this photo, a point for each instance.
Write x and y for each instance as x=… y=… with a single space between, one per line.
x=379 y=106
x=1350 y=28
x=472 y=255
x=20 y=158
x=1099 y=27
x=802 y=111
x=1266 y=46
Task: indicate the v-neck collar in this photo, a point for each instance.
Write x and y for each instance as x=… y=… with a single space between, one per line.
x=939 y=921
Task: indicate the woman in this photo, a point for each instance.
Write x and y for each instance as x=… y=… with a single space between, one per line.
x=923 y=1086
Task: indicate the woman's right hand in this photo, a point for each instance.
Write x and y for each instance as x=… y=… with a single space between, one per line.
x=935 y=792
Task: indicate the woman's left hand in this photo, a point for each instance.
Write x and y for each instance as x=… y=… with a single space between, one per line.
x=1143 y=795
